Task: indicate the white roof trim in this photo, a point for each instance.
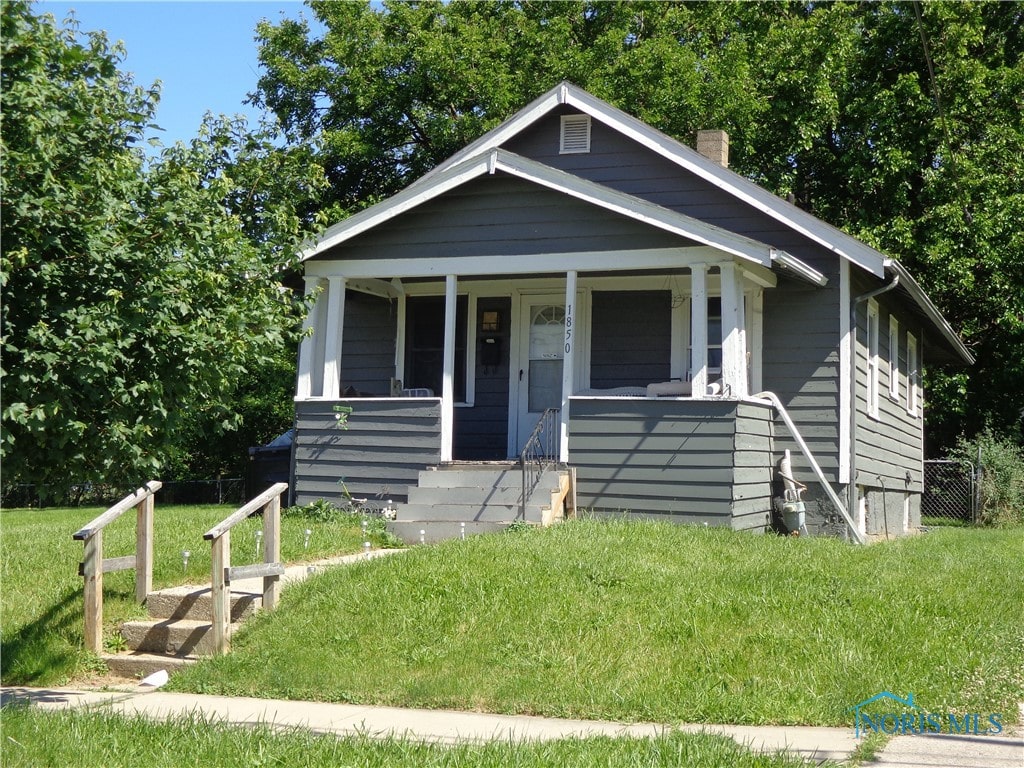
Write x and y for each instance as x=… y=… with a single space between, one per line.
x=830 y=237
x=551 y=178
x=910 y=285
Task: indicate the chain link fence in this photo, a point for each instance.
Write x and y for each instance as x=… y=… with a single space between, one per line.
x=227 y=490
x=950 y=493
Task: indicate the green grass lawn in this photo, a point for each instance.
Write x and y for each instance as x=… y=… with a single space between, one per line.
x=641 y=621
x=41 y=592
x=36 y=738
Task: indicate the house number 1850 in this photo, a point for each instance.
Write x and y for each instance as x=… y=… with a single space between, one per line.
x=568 y=329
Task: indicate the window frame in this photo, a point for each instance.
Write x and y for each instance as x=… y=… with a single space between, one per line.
x=913 y=377
x=894 y=358
x=871 y=392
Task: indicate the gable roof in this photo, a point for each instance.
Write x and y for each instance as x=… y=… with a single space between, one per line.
x=760 y=199
x=491 y=161
x=485 y=156
x=565 y=93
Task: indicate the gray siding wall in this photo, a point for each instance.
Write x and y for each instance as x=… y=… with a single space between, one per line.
x=368 y=346
x=801 y=323
x=503 y=216
x=385 y=445
x=668 y=459
x=890 y=447
x=801 y=365
x=481 y=432
x=752 y=467
x=631 y=336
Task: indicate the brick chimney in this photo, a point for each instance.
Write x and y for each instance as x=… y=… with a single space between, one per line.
x=714 y=145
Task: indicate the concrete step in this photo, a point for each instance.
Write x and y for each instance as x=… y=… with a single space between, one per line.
x=196 y=603
x=136 y=665
x=501 y=494
x=440 y=513
x=458 y=476
x=409 y=532
x=181 y=637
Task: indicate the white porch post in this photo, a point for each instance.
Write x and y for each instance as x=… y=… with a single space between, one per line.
x=568 y=365
x=304 y=388
x=448 y=377
x=699 y=330
x=734 y=347
x=334 y=333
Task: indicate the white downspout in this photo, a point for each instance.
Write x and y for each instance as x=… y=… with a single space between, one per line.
x=833 y=497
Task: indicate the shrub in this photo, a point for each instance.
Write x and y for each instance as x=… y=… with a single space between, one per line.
x=1001 y=476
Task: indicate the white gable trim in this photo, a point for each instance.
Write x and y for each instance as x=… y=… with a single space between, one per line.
x=760 y=199
x=590 y=192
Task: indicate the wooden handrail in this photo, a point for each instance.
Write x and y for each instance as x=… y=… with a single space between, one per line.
x=99 y=523
x=271 y=569
x=93 y=566
x=242 y=513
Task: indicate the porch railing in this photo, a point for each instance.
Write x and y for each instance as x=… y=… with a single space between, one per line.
x=94 y=566
x=270 y=569
x=537 y=455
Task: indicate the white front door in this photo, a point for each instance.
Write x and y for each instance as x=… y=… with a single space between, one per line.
x=541 y=351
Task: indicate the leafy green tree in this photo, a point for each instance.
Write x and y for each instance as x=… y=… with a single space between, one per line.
x=136 y=293
x=899 y=122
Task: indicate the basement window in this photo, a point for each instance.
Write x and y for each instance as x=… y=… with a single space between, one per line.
x=575 y=137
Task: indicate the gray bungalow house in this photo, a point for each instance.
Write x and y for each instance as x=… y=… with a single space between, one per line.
x=680 y=326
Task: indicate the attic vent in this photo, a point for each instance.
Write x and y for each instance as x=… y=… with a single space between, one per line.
x=575 y=134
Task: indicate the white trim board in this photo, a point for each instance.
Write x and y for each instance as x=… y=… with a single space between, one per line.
x=760 y=199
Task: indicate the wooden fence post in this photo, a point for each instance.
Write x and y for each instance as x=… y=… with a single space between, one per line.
x=144 y=549
x=271 y=551
x=92 y=571
x=221 y=592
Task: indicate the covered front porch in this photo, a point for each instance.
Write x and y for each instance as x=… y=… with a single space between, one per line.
x=498 y=350
x=635 y=350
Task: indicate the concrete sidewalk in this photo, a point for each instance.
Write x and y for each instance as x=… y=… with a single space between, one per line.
x=447 y=727
x=432 y=725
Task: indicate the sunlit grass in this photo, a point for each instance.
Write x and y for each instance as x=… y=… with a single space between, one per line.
x=41 y=592
x=36 y=738
x=639 y=621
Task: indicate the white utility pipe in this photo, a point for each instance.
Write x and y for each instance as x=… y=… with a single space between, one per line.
x=774 y=399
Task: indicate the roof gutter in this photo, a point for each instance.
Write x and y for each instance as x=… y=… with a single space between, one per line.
x=857 y=301
x=930 y=310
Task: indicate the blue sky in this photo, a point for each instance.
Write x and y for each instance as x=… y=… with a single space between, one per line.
x=202 y=52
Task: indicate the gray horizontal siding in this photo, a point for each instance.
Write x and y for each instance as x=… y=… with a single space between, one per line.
x=890 y=446
x=368 y=344
x=379 y=454
x=670 y=459
x=753 y=467
x=500 y=216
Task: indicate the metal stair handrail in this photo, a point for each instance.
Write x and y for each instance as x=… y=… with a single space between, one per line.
x=537 y=456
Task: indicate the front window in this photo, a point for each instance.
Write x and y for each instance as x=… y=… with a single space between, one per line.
x=424 y=344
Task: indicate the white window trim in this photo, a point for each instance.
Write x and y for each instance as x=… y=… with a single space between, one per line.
x=913 y=376
x=471 y=337
x=894 y=358
x=872 y=360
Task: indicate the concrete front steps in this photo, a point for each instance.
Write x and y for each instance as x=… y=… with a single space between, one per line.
x=471 y=498
x=180 y=627
x=179 y=630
